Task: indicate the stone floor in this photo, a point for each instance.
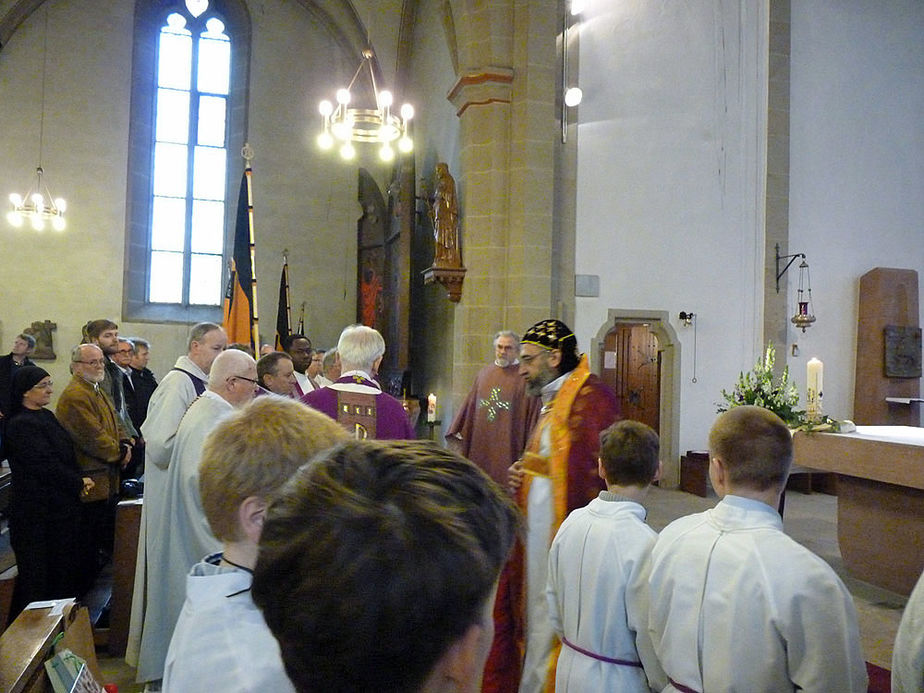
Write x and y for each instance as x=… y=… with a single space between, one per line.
x=811 y=519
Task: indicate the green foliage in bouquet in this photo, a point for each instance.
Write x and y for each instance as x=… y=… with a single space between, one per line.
x=763 y=389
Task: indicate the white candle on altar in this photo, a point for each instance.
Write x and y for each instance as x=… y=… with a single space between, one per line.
x=814 y=386
x=431 y=407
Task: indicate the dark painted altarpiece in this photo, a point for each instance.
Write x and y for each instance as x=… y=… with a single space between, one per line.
x=383 y=282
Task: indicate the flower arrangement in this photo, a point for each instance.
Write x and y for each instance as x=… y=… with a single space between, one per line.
x=762 y=388
x=779 y=395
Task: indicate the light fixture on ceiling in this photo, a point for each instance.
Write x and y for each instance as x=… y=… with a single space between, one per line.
x=803 y=317
x=38 y=205
x=346 y=124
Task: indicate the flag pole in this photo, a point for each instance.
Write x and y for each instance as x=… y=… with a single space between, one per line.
x=285 y=262
x=301 y=320
x=283 y=309
x=247 y=154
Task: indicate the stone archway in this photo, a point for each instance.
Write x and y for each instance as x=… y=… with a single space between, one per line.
x=669 y=349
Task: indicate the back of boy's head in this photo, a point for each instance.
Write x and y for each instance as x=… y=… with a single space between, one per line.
x=254 y=452
x=375 y=558
x=755 y=446
x=629 y=453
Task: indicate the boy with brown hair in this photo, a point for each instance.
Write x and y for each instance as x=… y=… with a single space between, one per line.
x=733 y=603
x=378 y=568
x=221 y=639
x=597 y=553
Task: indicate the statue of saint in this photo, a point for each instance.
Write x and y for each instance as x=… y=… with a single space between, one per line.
x=444 y=214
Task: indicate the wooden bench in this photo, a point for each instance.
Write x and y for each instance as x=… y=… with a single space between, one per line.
x=30 y=639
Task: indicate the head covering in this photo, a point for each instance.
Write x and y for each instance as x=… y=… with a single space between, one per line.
x=551 y=334
x=24 y=379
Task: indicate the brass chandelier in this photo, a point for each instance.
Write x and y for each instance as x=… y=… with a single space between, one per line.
x=345 y=125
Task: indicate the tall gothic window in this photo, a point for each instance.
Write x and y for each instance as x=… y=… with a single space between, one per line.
x=182 y=130
x=190 y=162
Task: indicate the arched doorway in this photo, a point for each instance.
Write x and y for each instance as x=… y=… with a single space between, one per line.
x=638 y=355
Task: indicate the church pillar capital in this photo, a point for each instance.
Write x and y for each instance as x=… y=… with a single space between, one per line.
x=482 y=86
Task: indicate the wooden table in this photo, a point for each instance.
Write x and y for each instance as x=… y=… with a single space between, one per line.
x=880 y=499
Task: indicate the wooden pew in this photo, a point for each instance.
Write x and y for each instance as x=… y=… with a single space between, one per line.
x=30 y=640
x=124 y=557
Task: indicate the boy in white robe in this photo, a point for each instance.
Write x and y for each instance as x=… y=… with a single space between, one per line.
x=734 y=603
x=221 y=640
x=598 y=551
x=908 y=653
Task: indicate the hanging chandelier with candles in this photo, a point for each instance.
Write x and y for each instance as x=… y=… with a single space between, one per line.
x=33 y=207
x=345 y=124
x=38 y=205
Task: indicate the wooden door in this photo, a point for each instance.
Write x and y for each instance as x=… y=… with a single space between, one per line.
x=631 y=364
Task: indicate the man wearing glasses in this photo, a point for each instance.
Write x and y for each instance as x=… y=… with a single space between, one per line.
x=180 y=530
x=558 y=473
x=102 y=445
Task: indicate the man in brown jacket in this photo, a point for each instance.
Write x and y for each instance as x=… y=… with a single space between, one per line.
x=102 y=447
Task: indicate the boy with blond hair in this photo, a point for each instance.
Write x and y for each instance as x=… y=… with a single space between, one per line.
x=221 y=639
x=733 y=603
x=597 y=553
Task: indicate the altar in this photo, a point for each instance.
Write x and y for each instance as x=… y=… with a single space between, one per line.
x=880 y=499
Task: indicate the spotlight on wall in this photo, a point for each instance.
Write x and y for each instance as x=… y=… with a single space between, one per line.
x=573 y=96
x=686 y=318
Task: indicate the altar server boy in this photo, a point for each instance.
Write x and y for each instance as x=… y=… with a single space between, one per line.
x=598 y=551
x=221 y=641
x=734 y=603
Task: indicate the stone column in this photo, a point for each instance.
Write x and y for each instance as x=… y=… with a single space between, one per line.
x=505 y=100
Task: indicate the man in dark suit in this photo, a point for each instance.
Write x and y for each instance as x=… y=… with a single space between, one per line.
x=23 y=345
x=143 y=382
x=139 y=384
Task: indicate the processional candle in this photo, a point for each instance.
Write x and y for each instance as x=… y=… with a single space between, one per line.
x=814 y=376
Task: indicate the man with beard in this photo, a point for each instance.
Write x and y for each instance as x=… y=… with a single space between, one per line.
x=102 y=447
x=105 y=334
x=494 y=421
x=557 y=474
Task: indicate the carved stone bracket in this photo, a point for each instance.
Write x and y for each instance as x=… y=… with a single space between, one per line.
x=450 y=278
x=482 y=86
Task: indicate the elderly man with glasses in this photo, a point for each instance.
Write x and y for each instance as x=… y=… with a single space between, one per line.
x=103 y=447
x=181 y=531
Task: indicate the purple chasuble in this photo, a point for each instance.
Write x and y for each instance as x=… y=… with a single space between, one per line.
x=390 y=419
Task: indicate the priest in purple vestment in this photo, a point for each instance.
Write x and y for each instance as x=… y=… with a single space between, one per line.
x=356 y=400
x=493 y=424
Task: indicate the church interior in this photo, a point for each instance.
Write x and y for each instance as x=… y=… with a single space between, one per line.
x=718 y=151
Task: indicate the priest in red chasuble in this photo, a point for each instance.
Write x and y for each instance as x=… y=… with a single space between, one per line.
x=494 y=422
x=557 y=474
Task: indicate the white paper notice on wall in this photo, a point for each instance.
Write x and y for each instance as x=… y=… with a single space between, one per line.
x=609 y=359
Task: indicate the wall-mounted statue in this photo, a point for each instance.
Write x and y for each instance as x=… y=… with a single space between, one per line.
x=443 y=208
x=444 y=214
x=44 y=348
